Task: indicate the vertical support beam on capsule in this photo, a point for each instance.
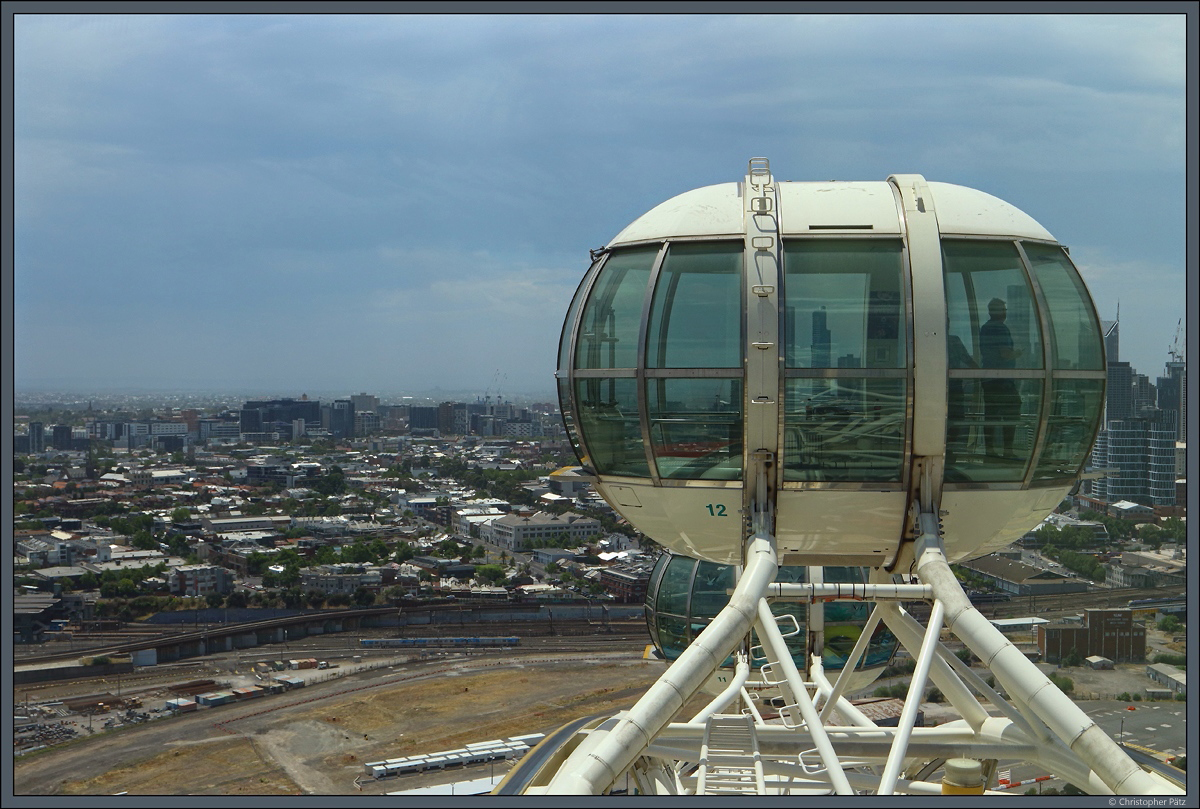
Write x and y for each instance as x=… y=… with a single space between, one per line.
x=760 y=201
x=923 y=240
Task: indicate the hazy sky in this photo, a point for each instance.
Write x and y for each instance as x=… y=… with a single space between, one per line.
x=384 y=203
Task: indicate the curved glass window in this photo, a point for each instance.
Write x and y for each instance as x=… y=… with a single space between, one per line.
x=564 y=342
x=843 y=306
x=992 y=320
x=675 y=589
x=1074 y=412
x=1077 y=341
x=991 y=426
x=568 y=415
x=612 y=316
x=608 y=418
x=844 y=429
x=696 y=427
x=696 y=316
x=710 y=593
x=673 y=635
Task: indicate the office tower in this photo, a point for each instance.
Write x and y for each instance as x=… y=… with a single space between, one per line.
x=278 y=415
x=61 y=436
x=822 y=339
x=37 y=437
x=338 y=418
x=364 y=401
x=1172 y=395
x=1111 y=329
x=1119 y=403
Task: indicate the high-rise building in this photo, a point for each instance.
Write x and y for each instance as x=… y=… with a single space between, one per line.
x=61 y=436
x=1172 y=395
x=1142 y=453
x=37 y=437
x=278 y=415
x=822 y=339
x=421 y=417
x=365 y=401
x=446 y=418
x=1119 y=403
x=1111 y=329
x=338 y=418
x=1144 y=394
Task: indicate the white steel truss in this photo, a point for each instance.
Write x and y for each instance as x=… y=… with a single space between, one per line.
x=820 y=743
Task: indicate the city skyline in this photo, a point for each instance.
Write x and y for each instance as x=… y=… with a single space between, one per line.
x=280 y=204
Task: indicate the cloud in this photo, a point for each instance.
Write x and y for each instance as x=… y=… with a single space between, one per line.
x=417 y=192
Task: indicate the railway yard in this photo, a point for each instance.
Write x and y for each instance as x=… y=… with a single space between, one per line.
x=316 y=738
x=375 y=701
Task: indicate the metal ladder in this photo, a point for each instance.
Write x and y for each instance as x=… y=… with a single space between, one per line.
x=729 y=759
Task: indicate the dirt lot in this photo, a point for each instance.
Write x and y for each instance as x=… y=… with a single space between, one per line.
x=316 y=740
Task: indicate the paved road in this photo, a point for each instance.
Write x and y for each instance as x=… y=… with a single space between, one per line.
x=1160 y=726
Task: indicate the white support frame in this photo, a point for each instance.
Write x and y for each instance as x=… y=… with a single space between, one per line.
x=1037 y=724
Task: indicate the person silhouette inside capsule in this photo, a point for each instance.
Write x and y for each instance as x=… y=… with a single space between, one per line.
x=1001 y=400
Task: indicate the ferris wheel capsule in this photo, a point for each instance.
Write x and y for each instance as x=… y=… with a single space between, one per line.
x=848 y=343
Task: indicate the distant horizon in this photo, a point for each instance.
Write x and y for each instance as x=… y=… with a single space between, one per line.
x=79 y=394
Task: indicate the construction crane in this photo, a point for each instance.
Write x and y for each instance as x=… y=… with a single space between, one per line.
x=1175 y=352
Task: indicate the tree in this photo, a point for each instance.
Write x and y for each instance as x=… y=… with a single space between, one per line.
x=364 y=597
x=214 y=599
x=144 y=540
x=492 y=574
x=1073 y=659
x=1169 y=624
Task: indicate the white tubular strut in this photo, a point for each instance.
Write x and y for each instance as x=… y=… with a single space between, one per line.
x=781 y=656
x=736 y=687
x=912 y=704
x=1024 y=681
x=594 y=767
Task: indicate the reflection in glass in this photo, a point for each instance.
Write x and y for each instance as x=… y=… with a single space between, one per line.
x=564 y=343
x=844 y=429
x=1074 y=411
x=673 y=635
x=991 y=428
x=710 y=592
x=696 y=317
x=568 y=415
x=676 y=586
x=696 y=427
x=608 y=334
x=843 y=305
x=1077 y=342
x=608 y=417
x=989 y=306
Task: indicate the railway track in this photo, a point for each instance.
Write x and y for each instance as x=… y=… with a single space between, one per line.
x=117 y=643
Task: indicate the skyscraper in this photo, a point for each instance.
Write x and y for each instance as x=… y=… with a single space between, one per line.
x=1111 y=329
x=37 y=437
x=338 y=418
x=1172 y=395
x=1119 y=403
x=61 y=436
x=822 y=339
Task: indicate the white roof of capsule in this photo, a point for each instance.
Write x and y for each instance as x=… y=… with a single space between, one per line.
x=832 y=208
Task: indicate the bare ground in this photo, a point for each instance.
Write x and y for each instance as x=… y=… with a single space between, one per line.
x=319 y=745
